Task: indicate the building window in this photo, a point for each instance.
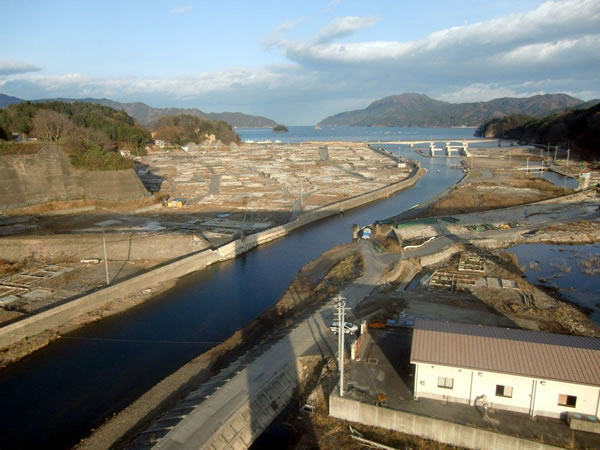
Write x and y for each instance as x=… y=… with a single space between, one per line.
x=503 y=391
x=567 y=400
x=446 y=383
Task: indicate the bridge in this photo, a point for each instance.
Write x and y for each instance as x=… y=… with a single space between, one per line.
x=453 y=147
x=430 y=141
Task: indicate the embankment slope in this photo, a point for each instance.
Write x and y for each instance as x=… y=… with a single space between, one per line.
x=48 y=175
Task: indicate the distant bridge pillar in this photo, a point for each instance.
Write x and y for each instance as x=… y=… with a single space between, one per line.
x=465 y=148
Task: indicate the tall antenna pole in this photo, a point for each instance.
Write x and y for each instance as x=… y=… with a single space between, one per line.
x=105 y=257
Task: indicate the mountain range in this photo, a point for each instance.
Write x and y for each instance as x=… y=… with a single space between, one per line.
x=146 y=114
x=419 y=110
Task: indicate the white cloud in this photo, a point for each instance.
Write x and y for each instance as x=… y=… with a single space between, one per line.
x=479 y=92
x=567 y=21
x=342 y=27
x=8 y=67
x=183 y=10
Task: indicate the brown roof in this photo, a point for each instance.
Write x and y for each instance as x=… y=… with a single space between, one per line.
x=561 y=357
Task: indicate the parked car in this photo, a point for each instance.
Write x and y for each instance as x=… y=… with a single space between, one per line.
x=349 y=328
x=366 y=233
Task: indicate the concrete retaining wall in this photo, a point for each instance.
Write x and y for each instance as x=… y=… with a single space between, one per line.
x=119 y=247
x=49 y=176
x=427 y=427
x=56 y=316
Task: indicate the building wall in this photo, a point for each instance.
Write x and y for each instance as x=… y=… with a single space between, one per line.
x=546 y=399
x=470 y=386
x=426 y=383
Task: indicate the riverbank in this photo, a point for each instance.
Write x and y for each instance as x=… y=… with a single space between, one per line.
x=30 y=334
x=315 y=283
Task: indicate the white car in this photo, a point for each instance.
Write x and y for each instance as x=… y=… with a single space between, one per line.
x=349 y=328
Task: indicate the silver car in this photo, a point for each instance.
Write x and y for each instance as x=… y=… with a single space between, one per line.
x=349 y=328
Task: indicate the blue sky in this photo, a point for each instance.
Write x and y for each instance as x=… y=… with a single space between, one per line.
x=298 y=62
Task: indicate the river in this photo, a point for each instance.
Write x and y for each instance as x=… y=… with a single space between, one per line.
x=56 y=396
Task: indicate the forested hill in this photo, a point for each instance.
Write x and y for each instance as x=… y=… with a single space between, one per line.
x=146 y=115
x=184 y=128
x=579 y=128
x=91 y=133
x=419 y=110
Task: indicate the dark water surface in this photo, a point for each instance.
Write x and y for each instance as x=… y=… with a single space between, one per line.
x=572 y=269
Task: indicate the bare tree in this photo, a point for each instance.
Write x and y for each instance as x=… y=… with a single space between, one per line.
x=50 y=125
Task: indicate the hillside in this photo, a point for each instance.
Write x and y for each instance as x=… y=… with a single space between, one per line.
x=419 y=110
x=6 y=100
x=580 y=128
x=181 y=129
x=48 y=175
x=92 y=133
x=146 y=114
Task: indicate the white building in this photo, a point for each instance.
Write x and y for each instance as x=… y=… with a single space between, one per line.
x=525 y=371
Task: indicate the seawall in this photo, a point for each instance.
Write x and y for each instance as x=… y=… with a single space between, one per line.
x=63 y=313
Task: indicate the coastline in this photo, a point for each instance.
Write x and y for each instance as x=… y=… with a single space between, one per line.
x=22 y=338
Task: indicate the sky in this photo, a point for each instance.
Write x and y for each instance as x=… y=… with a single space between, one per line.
x=297 y=62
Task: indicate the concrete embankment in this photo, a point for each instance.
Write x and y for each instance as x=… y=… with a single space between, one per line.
x=81 y=306
x=426 y=427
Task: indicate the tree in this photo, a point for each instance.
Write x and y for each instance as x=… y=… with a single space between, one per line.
x=50 y=125
x=169 y=133
x=4 y=134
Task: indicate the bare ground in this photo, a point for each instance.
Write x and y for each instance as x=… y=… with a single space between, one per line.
x=492 y=191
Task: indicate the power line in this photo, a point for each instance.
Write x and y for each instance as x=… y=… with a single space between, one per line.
x=139 y=341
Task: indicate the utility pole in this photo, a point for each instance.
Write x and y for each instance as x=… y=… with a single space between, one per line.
x=555 y=149
x=568 y=153
x=105 y=257
x=341 y=320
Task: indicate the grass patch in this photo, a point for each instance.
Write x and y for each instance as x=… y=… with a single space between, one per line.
x=19 y=148
x=97 y=158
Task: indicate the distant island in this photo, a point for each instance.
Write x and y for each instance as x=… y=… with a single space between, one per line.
x=419 y=110
x=280 y=128
x=146 y=115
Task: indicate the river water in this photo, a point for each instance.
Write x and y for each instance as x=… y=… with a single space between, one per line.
x=56 y=396
x=571 y=269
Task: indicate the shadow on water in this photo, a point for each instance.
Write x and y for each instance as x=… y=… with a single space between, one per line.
x=60 y=393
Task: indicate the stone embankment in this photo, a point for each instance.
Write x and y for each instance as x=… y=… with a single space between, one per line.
x=56 y=316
